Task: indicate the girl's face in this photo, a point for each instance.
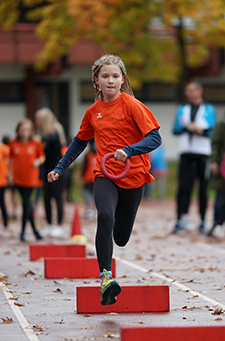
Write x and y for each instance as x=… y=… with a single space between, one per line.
x=25 y=132
x=110 y=79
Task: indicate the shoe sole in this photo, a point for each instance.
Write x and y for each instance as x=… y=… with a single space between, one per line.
x=109 y=295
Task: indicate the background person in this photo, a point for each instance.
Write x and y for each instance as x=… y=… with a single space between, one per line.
x=26 y=155
x=159 y=169
x=194 y=124
x=4 y=173
x=53 y=138
x=11 y=198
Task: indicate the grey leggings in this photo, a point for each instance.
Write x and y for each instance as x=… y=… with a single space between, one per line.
x=117 y=208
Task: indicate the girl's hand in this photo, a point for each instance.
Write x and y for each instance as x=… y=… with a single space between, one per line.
x=52 y=176
x=120 y=155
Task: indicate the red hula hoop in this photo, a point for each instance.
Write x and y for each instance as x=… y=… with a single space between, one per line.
x=110 y=176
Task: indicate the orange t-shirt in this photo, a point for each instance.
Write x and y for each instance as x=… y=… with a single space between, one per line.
x=23 y=156
x=115 y=125
x=4 y=169
x=91 y=160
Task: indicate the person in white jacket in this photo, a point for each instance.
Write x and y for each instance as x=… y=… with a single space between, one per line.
x=194 y=123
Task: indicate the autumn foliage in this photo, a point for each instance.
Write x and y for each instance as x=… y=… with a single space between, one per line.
x=156 y=39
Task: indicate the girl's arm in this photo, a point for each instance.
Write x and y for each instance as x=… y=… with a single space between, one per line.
x=151 y=141
x=39 y=161
x=75 y=149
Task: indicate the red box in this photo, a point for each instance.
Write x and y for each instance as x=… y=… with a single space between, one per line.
x=74 y=268
x=132 y=299
x=52 y=250
x=181 y=333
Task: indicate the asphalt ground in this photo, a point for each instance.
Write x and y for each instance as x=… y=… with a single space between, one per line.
x=35 y=308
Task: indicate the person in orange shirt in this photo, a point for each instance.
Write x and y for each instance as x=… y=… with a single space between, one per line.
x=4 y=171
x=123 y=125
x=87 y=176
x=27 y=155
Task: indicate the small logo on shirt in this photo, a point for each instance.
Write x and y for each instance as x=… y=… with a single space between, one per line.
x=99 y=115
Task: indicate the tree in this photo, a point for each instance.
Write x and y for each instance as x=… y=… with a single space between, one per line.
x=185 y=30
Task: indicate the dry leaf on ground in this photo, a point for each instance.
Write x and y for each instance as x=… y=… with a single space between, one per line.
x=7 y=320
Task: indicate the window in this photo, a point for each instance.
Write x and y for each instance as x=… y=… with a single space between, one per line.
x=158 y=92
x=11 y=92
x=87 y=92
x=214 y=93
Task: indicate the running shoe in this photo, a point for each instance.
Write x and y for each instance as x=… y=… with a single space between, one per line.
x=109 y=290
x=178 y=228
x=201 y=228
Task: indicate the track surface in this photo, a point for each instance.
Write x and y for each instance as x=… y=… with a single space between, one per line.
x=192 y=265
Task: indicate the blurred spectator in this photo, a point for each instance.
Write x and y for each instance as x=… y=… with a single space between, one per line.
x=159 y=169
x=87 y=175
x=27 y=155
x=4 y=172
x=53 y=139
x=194 y=123
x=217 y=181
x=11 y=198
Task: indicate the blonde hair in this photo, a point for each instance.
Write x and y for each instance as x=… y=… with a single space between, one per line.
x=21 y=123
x=107 y=60
x=50 y=123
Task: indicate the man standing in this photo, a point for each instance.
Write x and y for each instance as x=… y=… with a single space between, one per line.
x=194 y=123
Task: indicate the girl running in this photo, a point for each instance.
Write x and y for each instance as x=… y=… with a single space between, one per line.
x=27 y=155
x=123 y=125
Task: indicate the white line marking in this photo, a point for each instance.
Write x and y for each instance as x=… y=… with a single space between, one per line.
x=167 y=279
x=19 y=315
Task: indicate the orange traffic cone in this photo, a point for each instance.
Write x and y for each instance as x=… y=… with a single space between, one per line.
x=76 y=235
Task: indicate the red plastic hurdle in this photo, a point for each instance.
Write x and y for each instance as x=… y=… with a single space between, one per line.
x=198 y=333
x=132 y=299
x=56 y=250
x=73 y=268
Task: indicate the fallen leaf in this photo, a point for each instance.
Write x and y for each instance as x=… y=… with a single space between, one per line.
x=26 y=293
x=14 y=298
x=29 y=273
x=7 y=320
x=34 y=327
x=86 y=315
x=3 y=277
x=219 y=319
x=217 y=311
x=58 y=290
x=19 y=304
x=7 y=253
x=110 y=335
x=61 y=322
